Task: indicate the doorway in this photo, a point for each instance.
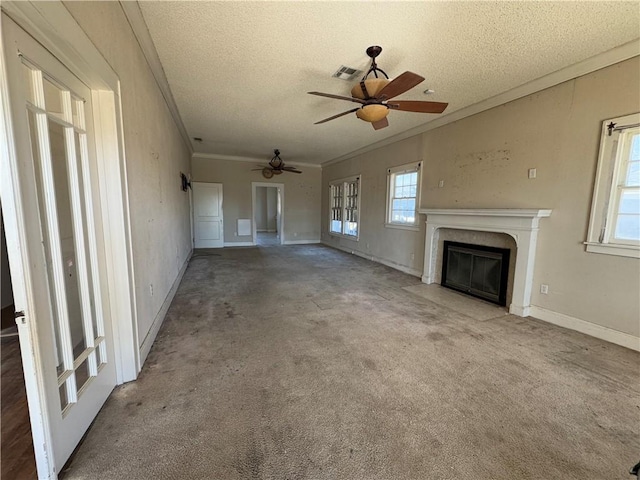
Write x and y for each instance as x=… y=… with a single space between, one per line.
x=268 y=215
x=16 y=446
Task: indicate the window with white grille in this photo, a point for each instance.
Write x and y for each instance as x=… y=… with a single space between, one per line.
x=614 y=227
x=403 y=195
x=345 y=207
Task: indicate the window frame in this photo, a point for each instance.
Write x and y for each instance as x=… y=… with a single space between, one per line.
x=391 y=174
x=344 y=207
x=608 y=189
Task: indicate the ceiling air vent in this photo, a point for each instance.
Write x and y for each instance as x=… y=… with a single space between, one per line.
x=347 y=73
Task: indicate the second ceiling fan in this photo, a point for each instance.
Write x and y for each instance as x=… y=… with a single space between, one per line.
x=374 y=95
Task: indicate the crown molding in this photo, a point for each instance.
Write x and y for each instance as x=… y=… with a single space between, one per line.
x=597 y=62
x=233 y=158
x=141 y=32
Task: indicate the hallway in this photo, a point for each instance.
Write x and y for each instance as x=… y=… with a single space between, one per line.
x=305 y=362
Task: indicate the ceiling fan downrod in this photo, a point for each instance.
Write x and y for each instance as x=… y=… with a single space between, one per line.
x=373 y=52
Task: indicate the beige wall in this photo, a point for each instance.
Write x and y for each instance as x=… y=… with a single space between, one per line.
x=155 y=156
x=301 y=196
x=484 y=160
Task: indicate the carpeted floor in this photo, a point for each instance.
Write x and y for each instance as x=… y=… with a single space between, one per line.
x=303 y=362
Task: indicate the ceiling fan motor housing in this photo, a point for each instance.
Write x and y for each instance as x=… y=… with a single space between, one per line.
x=372 y=113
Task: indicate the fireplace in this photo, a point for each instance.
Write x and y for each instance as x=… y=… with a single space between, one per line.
x=476 y=270
x=520 y=224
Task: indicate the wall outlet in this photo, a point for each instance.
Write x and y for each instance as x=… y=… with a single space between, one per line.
x=295 y=234
x=151 y=289
x=532 y=173
x=544 y=289
x=413 y=256
x=441 y=184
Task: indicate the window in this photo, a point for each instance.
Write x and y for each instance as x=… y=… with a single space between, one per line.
x=614 y=227
x=403 y=195
x=345 y=205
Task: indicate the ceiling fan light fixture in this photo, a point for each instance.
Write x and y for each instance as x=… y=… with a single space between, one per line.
x=372 y=113
x=373 y=86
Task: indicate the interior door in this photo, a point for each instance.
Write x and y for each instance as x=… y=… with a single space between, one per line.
x=207 y=212
x=50 y=201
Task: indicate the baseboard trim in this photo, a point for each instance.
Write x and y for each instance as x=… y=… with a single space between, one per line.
x=373 y=258
x=301 y=242
x=147 y=343
x=519 y=311
x=239 y=244
x=588 y=328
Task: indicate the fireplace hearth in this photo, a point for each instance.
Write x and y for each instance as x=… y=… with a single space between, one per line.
x=476 y=270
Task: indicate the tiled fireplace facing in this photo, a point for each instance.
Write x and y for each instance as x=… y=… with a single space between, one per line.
x=519 y=224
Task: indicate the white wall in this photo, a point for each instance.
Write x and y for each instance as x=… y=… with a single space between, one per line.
x=484 y=159
x=272 y=209
x=261 y=209
x=266 y=209
x=301 y=196
x=155 y=155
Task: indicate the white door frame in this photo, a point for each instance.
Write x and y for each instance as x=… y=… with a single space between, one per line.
x=51 y=24
x=280 y=227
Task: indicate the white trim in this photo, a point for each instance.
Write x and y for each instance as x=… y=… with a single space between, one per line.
x=147 y=343
x=521 y=224
x=51 y=24
x=400 y=170
x=613 y=249
x=280 y=227
x=233 y=158
x=112 y=175
x=357 y=179
x=373 y=258
x=597 y=62
x=301 y=242
x=141 y=32
x=239 y=244
x=588 y=328
x=403 y=226
x=605 y=199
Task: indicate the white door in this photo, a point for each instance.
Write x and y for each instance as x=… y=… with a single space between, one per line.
x=207 y=213
x=50 y=201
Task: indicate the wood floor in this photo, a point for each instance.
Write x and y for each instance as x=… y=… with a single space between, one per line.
x=16 y=447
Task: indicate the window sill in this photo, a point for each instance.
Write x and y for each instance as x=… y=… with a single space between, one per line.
x=341 y=235
x=632 y=251
x=399 y=226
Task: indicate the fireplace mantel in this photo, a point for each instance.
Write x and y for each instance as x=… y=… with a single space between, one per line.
x=521 y=224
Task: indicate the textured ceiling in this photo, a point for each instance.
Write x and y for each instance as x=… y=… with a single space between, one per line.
x=239 y=71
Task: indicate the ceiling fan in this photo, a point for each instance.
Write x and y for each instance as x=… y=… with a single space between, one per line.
x=276 y=166
x=374 y=95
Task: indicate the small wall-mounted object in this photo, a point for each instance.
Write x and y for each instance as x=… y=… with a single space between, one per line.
x=186 y=184
x=244 y=227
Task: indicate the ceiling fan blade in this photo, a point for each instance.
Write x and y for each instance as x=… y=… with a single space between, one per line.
x=417 y=106
x=380 y=124
x=291 y=169
x=339 y=97
x=338 y=115
x=400 y=84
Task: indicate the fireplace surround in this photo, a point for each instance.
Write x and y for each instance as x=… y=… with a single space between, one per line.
x=521 y=224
